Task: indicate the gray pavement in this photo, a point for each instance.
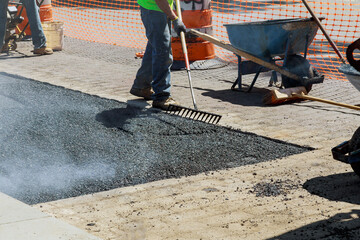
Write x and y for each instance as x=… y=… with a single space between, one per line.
x=19 y=221
x=108 y=71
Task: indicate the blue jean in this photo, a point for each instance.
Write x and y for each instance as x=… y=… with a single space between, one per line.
x=155 y=66
x=32 y=11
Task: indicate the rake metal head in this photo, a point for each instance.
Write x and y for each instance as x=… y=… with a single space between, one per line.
x=193 y=114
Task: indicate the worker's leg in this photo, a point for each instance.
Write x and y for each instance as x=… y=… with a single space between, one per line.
x=3 y=19
x=158 y=33
x=37 y=33
x=144 y=74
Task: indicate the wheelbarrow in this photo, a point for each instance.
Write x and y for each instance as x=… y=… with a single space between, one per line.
x=349 y=151
x=266 y=42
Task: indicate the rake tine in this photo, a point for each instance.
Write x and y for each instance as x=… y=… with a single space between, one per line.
x=207 y=117
x=196 y=115
x=200 y=116
x=218 y=119
x=193 y=114
x=211 y=119
x=183 y=112
x=179 y=112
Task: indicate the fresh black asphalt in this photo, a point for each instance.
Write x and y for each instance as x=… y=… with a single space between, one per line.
x=58 y=143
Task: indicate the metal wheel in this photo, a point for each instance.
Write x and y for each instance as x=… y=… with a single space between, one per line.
x=300 y=66
x=354 y=145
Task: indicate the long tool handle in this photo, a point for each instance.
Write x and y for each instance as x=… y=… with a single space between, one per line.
x=325 y=101
x=245 y=54
x=184 y=48
x=324 y=31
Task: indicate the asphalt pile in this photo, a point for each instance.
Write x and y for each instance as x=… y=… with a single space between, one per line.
x=58 y=143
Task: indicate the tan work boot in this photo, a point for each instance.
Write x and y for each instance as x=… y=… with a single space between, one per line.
x=43 y=51
x=145 y=93
x=164 y=104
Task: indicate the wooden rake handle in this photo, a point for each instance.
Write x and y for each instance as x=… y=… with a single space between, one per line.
x=325 y=101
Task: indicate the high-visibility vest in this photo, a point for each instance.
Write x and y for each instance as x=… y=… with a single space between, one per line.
x=151 y=4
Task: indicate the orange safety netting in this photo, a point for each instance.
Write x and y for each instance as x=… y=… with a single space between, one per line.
x=118 y=22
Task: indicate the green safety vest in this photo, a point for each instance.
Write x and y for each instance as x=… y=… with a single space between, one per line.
x=151 y=4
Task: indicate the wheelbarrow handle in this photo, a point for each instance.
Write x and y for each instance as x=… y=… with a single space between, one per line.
x=245 y=54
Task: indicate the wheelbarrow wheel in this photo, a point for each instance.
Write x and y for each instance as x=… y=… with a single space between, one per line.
x=354 y=144
x=301 y=67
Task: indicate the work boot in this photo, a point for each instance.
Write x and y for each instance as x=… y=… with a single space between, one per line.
x=164 y=104
x=43 y=51
x=145 y=93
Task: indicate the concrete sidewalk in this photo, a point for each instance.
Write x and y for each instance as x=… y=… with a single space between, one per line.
x=19 y=221
x=321 y=193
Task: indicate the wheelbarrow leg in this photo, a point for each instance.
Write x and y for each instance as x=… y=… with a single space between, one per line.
x=274 y=79
x=255 y=78
x=238 y=80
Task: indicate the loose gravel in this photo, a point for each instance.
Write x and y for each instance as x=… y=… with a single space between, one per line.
x=273 y=188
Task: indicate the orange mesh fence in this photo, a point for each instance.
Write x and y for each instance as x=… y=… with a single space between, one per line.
x=118 y=22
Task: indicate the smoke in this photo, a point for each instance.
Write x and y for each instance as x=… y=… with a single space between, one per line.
x=24 y=179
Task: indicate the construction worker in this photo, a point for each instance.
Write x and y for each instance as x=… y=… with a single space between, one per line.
x=152 y=80
x=37 y=33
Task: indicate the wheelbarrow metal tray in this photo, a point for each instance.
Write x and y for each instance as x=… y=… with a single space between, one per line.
x=267 y=39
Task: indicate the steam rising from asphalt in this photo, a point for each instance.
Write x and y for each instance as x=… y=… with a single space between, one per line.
x=56 y=176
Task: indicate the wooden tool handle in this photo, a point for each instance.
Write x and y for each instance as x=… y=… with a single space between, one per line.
x=186 y=56
x=325 y=101
x=324 y=31
x=245 y=54
x=182 y=36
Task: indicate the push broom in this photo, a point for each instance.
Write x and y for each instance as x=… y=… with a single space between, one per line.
x=194 y=114
x=276 y=97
